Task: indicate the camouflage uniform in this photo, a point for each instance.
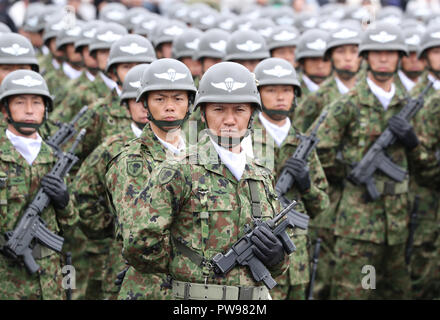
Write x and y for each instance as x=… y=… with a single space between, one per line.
x=367 y=231
x=228 y=201
x=292 y=285
x=126 y=176
x=425 y=263
x=95 y=218
x=20 y=185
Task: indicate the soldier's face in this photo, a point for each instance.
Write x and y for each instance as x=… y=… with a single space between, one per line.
x=249 y=64
x=123 y=68
x=36 y=39
x=164 y=50
x=88 y=60
x=102 y=58
x=317 y=67
x=53 y=48
x=346 y=58
x=25 y=108
x=279 y=97
x=168 y=105
x=193 y=65
x=208 y=62
x=137 y=111
x=72 y=55
x=227 y=119
x=383 y=61
x=5 y=69
x=433 y=56
x=412 y=64
x=286 y=53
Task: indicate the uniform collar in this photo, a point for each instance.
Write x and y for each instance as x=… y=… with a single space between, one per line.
x=90 y=76
x=407 y=82
x=70 y=72
x=312 y=86
x=342 y=88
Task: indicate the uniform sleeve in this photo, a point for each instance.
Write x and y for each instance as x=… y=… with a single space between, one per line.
x=148 y=248
x=68 y=216
x=306 y=113
x=89 y=190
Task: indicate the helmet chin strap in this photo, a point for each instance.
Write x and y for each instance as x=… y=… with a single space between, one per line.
x=20 y=125
x=271 y=113
x=163 y=124
x=118 y=79
x=382 y=76
x=412 y=74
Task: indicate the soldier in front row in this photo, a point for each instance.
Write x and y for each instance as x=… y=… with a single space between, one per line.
x=25 y=160
x=194 y=208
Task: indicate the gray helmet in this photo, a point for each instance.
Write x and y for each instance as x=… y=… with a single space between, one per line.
x=212 y=44
x=17 y=49
x=24 y=82
x=412 y=38
x=312 y=44
x=228 y=82
x=390 y=14
x=242 y=23
x=413 y=23
x=383 y=36
x=246 y=44
x=135 y=16
x=334 y=10
x=148 y=24
x=264 y=27
x=167 y=31
x=88 y=33
x=283 y=36
x=114 y=12
x=69 y=35
x=4 y=28
x=430 y=39
x=226 y=22
x=52 y=27
x=276 y=71
x=166 y=74
x=34 y=17
x=130 y=48
x=132 y=82
x=344 y=35
x=284 y=18
x=207 y=20
x=307 y=21
x=186 y=44
x=106 y=34
x=328 y=23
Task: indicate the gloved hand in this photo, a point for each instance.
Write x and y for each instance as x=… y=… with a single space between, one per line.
x=300 y=171
x=403 y=131
x=56 y=189
x=268 y=248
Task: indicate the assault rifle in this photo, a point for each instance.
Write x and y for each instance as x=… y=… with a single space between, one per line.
x=376 y=159
x=31 y=228
x=241 y=252
x=308 y=143
x=65 y=132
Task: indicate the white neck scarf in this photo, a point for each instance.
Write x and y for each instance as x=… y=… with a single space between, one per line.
x=56 y=64
x=236 y=163
x=70 y=72
x=136 y=130
x=342 y=88
x=110 y=83
x=278 y=133
x=176 y=150
x=90 y=76
x=312 y=86
x=407 y=82
x=383 y=96
x=436 y=84
x=27 y=147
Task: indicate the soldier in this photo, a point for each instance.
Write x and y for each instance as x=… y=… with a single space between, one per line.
x=411 y=67
x=201 y=205
x=282 y=43
x=128 y=172
x=277 y=138
x=370 y=232
x=310 y=56
x=183 y=49
x=342 y=52
x=89 y=189
x=429 y=51
x=25 y=160
x=164 y=35
x=34 y=25
x=246 y=48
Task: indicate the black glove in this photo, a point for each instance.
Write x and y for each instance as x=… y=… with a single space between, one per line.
x=268 y=248
x=300 y=171
x=403 y=131
x=56 y=189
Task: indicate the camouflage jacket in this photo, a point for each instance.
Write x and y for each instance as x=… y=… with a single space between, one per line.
x=82 y=92
x=21 y=182
x=421 y=85
x=171 y=207
x=354 y=122
x=56 y=82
